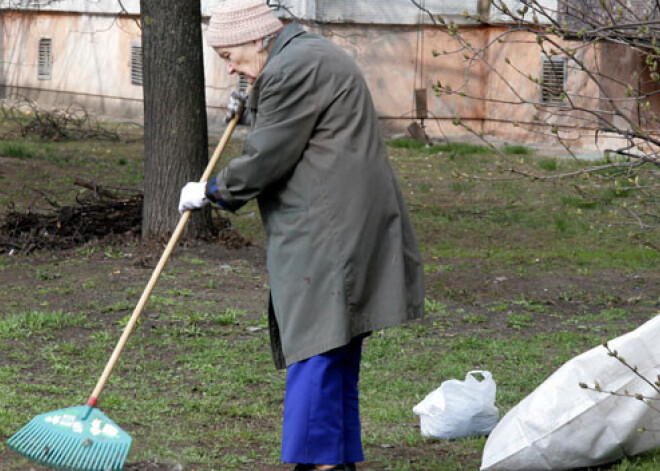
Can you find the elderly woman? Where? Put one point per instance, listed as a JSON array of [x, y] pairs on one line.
[[342, 256]]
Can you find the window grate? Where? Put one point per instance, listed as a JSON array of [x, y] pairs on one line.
[[136, 64], [44, 70], [553, 80], [242, 83]]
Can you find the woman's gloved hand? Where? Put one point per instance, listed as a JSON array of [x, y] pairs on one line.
[[235, 105], [193, 196]]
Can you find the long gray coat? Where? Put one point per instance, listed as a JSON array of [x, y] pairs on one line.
[[342, 256]]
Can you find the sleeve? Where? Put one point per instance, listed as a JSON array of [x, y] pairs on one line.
[[212, 192], [287, 111]]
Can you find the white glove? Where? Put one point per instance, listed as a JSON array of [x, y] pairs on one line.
[[193, 196], [235, 105]]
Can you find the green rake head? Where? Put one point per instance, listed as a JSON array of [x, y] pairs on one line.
[[79, 438]]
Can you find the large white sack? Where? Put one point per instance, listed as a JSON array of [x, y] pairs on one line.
[[562, 426]]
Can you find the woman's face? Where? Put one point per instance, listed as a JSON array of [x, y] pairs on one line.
[[245, 59]]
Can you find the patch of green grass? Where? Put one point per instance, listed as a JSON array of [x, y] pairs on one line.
[[462, 149], [31, 323], [456, 148], [48, 273], [474, 318], [547, 164], [405, 143], [180, 292], [614, 314], [517, 150], [228, 317], [440, 268], [47, 151], [193, 261], [498, 307], [160, 302], [102, 336], [631, 257], [431, 305], [54, 290], [113, 252], [20, 150], [118, 306], [562, 223], [518, 321], [529, 304], [211, 284]]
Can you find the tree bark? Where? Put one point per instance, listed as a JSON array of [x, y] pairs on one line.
[[175, 131]]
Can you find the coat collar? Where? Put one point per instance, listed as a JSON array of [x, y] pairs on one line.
[[291, 31]]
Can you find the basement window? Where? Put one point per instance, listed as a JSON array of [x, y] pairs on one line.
[[553, 80], [136, 64], [44, 70]]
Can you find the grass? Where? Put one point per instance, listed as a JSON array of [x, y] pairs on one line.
[[517, 150], [20, 150], [31, 323], [33, 150], [548, 164], [454, 148], [521, 276]]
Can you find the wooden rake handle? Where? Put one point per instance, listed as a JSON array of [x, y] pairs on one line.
[[176, 235]]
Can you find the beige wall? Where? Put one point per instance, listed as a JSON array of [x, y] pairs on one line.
[[91, 61]]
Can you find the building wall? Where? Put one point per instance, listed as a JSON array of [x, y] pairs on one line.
[[91, 68], [91, 61]]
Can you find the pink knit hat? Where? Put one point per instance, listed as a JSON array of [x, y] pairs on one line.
[[237, 22]]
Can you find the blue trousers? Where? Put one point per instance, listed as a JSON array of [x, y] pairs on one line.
[[321, 408]]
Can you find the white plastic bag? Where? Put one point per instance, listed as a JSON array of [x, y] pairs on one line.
[[459, 408], [561, 426]]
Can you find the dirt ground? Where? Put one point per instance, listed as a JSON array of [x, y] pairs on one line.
[[470, 292], [570, 295]]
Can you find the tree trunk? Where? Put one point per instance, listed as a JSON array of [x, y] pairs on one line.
[[175, 132]]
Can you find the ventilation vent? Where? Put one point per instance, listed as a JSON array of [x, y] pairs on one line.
[[45, 59], [553, 80], [136, 64], [242, 83]]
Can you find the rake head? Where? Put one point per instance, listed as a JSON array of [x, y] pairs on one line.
[[79, 438]]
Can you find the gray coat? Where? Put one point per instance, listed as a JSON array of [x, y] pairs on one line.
[[342, 256]]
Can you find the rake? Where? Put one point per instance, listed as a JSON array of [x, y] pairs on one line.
[[82, 438]]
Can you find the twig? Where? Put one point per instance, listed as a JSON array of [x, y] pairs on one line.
[[103, 191]]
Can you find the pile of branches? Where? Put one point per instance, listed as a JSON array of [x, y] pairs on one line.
[[55, 124], [99, 216]]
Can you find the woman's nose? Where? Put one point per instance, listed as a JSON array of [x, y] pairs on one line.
[[230, 68]]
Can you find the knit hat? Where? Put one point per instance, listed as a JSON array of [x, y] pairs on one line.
[[237, 22]]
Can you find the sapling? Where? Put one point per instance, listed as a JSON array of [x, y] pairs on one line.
[[650, 401]]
